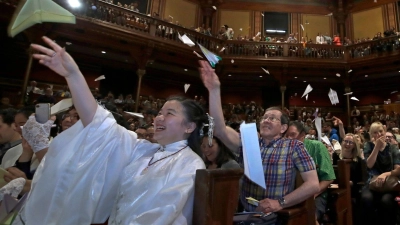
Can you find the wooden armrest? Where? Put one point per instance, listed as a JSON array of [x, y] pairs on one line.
[[338, 192], [289, 212]]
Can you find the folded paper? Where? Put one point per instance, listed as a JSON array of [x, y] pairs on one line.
[[186, 86], [212, 58], [354, 98], [197, 54], [31, 12], [186, 40], [266, 71], [333, 97], [102, 77], [349, 93], [308, 90], [134, 114], [61, 106]]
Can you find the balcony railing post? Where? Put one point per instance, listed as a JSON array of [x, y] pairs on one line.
[[152, 28]]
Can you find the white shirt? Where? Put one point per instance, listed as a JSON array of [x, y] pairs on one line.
[[85, 167]]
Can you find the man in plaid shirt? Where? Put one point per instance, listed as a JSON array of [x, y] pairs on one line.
[[281, 157]]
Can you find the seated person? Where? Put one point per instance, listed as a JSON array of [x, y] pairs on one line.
[[281, 157], [47, 97], [217, 155], [10, 139], [322, 159]]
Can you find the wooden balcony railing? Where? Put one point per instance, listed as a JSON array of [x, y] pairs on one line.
[[119, 16]]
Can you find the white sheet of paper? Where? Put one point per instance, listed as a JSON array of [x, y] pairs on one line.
[[333, 97], [308, 90], [338, 74], [253, 168], [393, 92], [186, 86], [318, 127], [326, 140], [102, 77], [222, 49], [135, 114], [61, 106], [302, 27], [306, 97]]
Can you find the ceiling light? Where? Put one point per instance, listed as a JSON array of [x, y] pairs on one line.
[[324, 78], [103, 52], [295, 77], [185, 69], [366, 75], [68, 43]]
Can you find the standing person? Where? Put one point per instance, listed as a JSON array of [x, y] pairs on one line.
[[382, 161], [281, 157], [97, 167]]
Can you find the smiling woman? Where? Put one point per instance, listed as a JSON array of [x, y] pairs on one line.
[[217, 155]]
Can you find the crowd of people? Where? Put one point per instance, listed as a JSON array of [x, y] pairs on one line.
[[157, 158]]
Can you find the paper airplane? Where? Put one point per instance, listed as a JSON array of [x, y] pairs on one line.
[[61, 106], [354, 98], [198, 55], [186, 40], [302, 27], [258, 34], [212, 58], [262, 14], [350, 93], [31, 12], [338, 75], [102, 77], [326, 140], [214, 7], [350, 71], [186, 86], [308, 90], [393, 92], [266, 71], [134, 114], [333, 97], [306, 97], [222, 49]]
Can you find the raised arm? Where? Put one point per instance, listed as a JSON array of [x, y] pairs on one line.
[[58, 60], [227, 135], [380, 144], [339, 123]]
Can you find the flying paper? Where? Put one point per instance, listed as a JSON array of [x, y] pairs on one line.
[[338, 75], [302, 27], [240, 29], [214, 7], [349, 71], [354, 98], [262, 14], [212, 58], [333, 97], [308, 90], [393, 92], [134, 114], [102, 77], [171, 17], [31, 12], [266, 71], [186, 86], [232, 61], [350, 93], [198, 55], [222, 49], [186, 40], [306, 97], [61, 106]]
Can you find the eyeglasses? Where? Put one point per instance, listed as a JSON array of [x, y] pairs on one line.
[[270, 119], [348, 142], [389, 137]]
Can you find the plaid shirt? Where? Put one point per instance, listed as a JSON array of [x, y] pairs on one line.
[[280, 158]]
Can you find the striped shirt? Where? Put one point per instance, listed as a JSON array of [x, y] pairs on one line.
[[280, 158]]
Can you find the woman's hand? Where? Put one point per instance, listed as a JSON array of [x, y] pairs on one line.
[[380, 180], [13, 173], [208, 76], [380, 143], [56, 58], [337, 121]]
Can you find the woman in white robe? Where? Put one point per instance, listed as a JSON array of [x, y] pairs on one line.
[[98, 167]]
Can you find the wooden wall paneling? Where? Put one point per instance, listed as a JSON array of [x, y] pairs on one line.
[[294, 25], [349, 28], [369, 4], [273, 7], [390, 15]]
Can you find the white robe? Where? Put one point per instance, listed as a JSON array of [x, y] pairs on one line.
[[78, 180]]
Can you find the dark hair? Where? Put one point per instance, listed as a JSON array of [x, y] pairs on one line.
[[284, 116], [224, 154], [328, 124], [299, 126], [8, 115], [26, 111], [194, 113]]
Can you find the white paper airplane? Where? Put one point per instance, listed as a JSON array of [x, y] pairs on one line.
[[212, 58], [354, 98], [302, 27], [333, 97], [222, 49], [350, 93], [31, 12], [134, 114], [102, 77], [186, 40], [338, 75], [306, 97], [61, 106], [262, 14], [308, 90], [214, 7], [350, 71], [266, 71], [186, 86], [198, 55]]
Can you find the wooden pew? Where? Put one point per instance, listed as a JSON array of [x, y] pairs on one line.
[[342, 196], [301, 214], [216, 196]]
